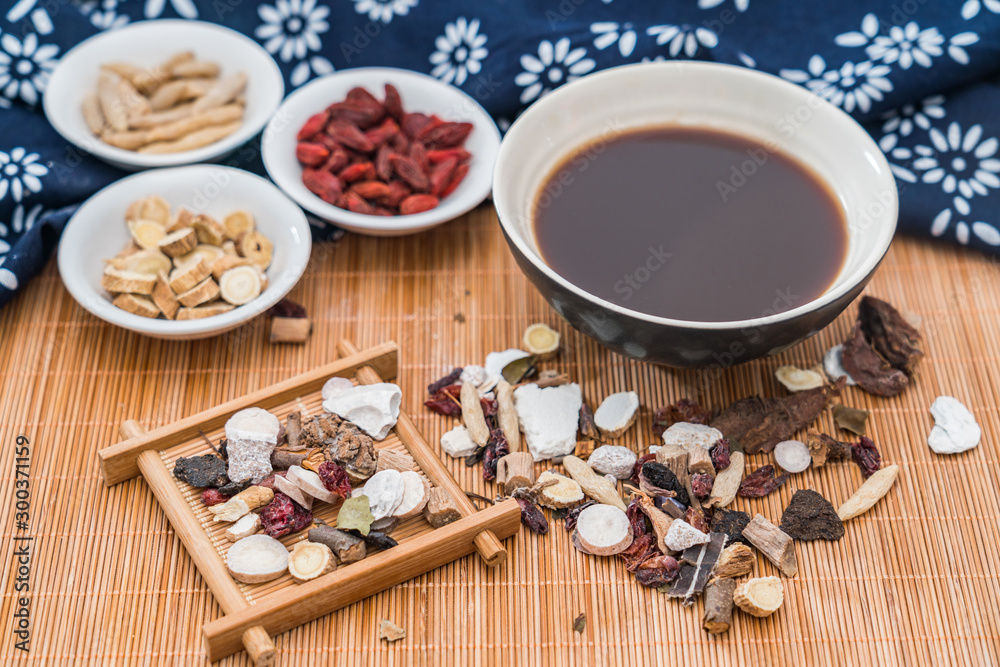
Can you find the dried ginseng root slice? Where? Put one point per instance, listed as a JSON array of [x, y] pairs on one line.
[[603, 530], [178, 243], [150, 262], [201, 312], [240, 285], [256, 247], [760, 597], [541, 340], [237, 223], [117, 281], [416, 491], [257, 559], [201, 293], [185, 277], [146, 233], [565, 492], [136, 304], [209, 253], [309, 560]]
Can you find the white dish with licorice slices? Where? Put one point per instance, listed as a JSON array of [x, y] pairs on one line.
[[112, 248], [163, 93]]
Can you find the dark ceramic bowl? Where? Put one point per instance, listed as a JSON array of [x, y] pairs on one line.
[[781, 115]]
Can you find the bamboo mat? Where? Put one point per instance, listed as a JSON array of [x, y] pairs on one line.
[[916, 581]]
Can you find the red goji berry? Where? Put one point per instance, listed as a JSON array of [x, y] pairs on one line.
[[440, 155], [338, 160], [441, 175], [418, 204], [445, 135], [383, 165], [418, 153], [398, 191], [372, 190], [393, 102], [349, 135], [323, 184], [410, 172], [362, 171], [456, 178], [311, 154], [414, 123], [380, 134], [355, 203], [313, 126]]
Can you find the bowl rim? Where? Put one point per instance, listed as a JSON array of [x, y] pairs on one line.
[[271, 76], [872, 259], [102, 308], [350, 219]]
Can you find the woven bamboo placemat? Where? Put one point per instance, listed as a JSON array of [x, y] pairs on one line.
[[916, 581]]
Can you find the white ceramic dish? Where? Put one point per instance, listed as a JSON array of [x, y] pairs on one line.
[[98, 231], [774, 112], [419, 93], [148, 43]]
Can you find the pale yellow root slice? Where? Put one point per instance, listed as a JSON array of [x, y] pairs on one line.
[[229, 247], [309, 560], [603, 530], [184, 219], [149, 262], [238, 222], [194, 140], [153, 208], [164, 297], [119, 281], [174, 114], [542, 340], [201, 312], [92, 114], [226, 262], [208, 229], [112, 106], [130, 249], [146, 233], [185, 277], [210, 253], [240, 285], [137, 304], [256, 559], [760, 597], [565, 492], [201, 293], [256, 247], [176, 130], [178, 243], [195, 68], [869, 493], [223, 92]]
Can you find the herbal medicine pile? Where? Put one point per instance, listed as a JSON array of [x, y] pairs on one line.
[[667, 514]]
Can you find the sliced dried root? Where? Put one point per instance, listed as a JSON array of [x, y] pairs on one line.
[[309, 560], [416, 491], [137, 305], [92, 114], [178, 243], [208, 229], [256, 247], [150, 262], [310, 483], [796, 379], [226, 262], [240, 285], [760, 597], [185, 277], [385, 492], [597, 486], [238, 222], [245, 526], [242, 503], [118, 281], [201, 293], [164, 297], [735, 560], [869, 493], [196, 139], [472, 414], [565, 492], [210, 253], [256, 559], [201, 312], [147, 233], [603, 530], [541, 340], [792, 455], [616, 413]]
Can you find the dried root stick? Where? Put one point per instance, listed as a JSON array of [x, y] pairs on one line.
[[596, 486], [472, 414], [194, 140], [874, 488], [92, 113], [223, 92], [727, 482], [177, 129], [507, 415]]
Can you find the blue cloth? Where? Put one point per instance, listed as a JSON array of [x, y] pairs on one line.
[[922, 76]]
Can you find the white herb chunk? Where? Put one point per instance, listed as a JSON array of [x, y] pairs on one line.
[[955, 428], [549, 418]]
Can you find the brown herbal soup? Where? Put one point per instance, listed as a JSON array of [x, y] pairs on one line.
[[691, 224]]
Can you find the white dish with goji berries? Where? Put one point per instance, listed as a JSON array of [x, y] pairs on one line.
[[382, 151]]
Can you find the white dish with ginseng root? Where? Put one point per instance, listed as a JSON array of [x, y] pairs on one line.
[[163, 93], [113, 287]]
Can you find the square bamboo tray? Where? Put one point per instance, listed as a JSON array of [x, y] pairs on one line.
[[255, 612]]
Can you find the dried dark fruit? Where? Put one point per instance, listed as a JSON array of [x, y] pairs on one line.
[[445, 402], [731, 523], [496, 449], [684, 410], [393, 103], [659, 480], [490, 407], [761, 423], [701, 485], [642, 549], [696, 518], [720, 454], [641, 461], [573, 514], [866, 455], [448, 380], [657, 571], [211, 497], [288, 308], [232, 488], [810, 516], [202, 471], [383, 133], [418, 203], [334, 479], [893, 338], [637, 518], [532, 517], [868, 369], [850, 419], [283, 516], [761, 482]]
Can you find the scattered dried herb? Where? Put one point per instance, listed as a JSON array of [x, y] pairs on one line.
[[866, 455], [720, 454], [283, 516], [446, 381], [551, 378], [893, 338], [445, 402], [701, 485], [730, 522], [375, 538], [810, 516], [355, 514], [850, 419], [684, 410], [637, 518], [490, 407], [868, 369], [532, 517], [825, 449], [573, 514], [288, 308], [210, 497], [641, 549], [587, 427], [696, 518], [641, 461], [657, 571], [761, 423], [495, 449], [761, 482], [580, 624], [334, 478], [698, 562], [202, 471], [232, 488], [658, 480], [520, 369]]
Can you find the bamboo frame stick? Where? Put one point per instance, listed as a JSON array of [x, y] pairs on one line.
[[119, 462], [255, 639], [489, 547], [291, 607]]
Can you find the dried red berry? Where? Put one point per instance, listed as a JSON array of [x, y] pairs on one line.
[[349, 135], [393, 102], [283, 516], [383, 166], [338, 160], [383, 133], [313, 126], [354, 202], [418, 204], [866, 456], [361, 97], [362, 115], [445, 135], [496, 449], [701, 485], [657, 571], [335, 479], [362, 171], [446, 402], [457, 177], [441, 175], [371, 190], [414, 123], [410, 172], [213, 497], [460, 155], [636, 518], [532, 517], [419, 156], [761, 482], [642, 549], [398, 191], [311, 155], [696, 518], [323, 184], [448, 380], [720, 454]]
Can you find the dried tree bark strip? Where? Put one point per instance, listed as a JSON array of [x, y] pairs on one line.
[[727, 482], [718, 605], [777, 546]]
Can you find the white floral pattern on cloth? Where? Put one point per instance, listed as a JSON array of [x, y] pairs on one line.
[[683, 38], [909, 116], [554, 65], [384, 10], [20, 173], [22, 221], [970, 9], [25, 67], [609, 33], [851, 86], [740, 5], [291, 31], [185, 8], [103, 14], [906, 45], [460, 51]]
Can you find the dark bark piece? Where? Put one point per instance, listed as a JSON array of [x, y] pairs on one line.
[[892, 337], [774, 543], [587, 427], [319, 430], [761, 482], [731, 523], [284, 458], [761, 423], [658, 480], [346, 547], [696, 567], [202, 471], [293, 432], [741, 416], [868, 369], [353, 450], [809, 516], [232, 488], [718, 605], [825, 449]]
